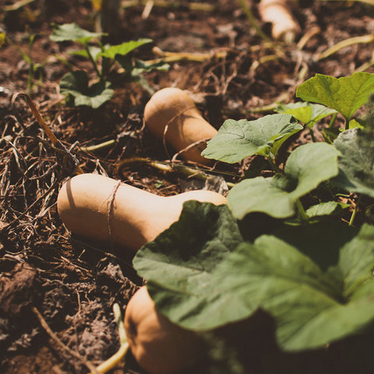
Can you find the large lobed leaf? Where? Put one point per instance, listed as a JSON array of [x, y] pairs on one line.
[[305, 169], [345, 94], [76, 84], [204, 282], [236, 140], [311, 308], [183, 258]]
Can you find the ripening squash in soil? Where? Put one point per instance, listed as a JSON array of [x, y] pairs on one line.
[[104, 209], [159, 346], [171, 115]]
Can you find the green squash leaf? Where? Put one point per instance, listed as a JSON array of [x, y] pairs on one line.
[[203, 284], [325, 209], [72, 32], [345, 94], [236, 140], [124, 48], [76, 84], [311, 308], [305, 169], [320, 241], [183, 257], [305, 112], [356, 162], [310, 165], [260, 195]]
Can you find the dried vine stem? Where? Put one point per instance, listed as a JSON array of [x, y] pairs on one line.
[[169, 4], [197, 171]]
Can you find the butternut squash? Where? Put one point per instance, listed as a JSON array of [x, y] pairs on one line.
[[158, 345], [279, 14], [171, 115], [105, 209]]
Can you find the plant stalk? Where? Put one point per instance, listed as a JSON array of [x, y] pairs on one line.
[[332, 121], [273, 165], [97, 147], [172, 168], [93, 62], [312, 135], [252, 20], [114, 360], [354, 213], [304, 217]]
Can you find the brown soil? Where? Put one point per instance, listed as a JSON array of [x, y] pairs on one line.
[[57, 291]]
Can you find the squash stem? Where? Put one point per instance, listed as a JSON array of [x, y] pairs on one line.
[[332, 121], [174, 167], [114, 360], [97, 147], [312, 135], [273, 165], [93, 62], [346, 123], [354, 213], [304, 217]]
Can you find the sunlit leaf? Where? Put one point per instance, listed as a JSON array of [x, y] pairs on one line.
[[236, 140], [345, 94]]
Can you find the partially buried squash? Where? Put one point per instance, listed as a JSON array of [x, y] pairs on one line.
[[158, 345], [104, 209], [171, 115]]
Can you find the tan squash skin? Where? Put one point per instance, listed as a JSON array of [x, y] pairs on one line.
[[136, 218], [175, 109], [158, 346]]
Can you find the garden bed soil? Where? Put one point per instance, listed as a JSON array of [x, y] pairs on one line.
[[57, 291]]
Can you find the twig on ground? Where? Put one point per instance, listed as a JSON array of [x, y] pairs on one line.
[[365, 39], [169, 4], [180, 56], [57, 340]]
